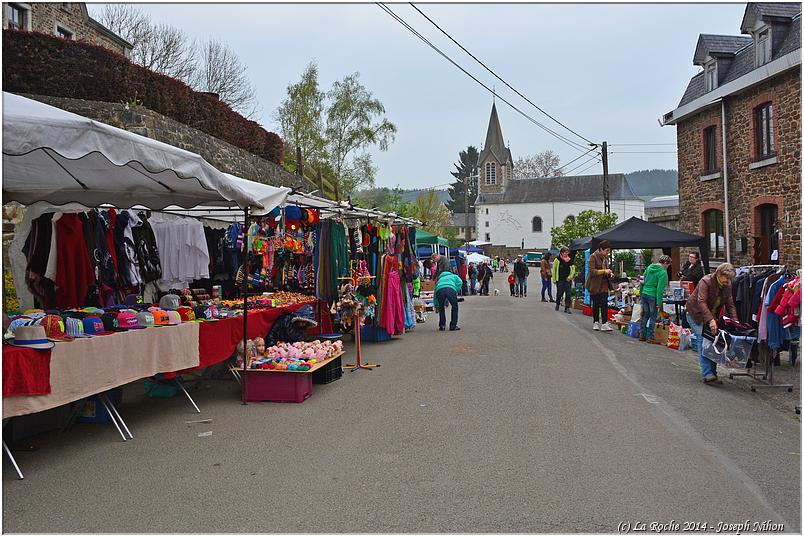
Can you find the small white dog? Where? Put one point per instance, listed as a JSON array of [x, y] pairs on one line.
[[496, 292]]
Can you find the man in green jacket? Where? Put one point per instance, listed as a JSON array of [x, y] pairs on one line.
[[651, 294], [563, 273], [446, 290]]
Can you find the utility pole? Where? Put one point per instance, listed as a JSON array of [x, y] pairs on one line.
[[606, 201], [299, 165], [466, 183]]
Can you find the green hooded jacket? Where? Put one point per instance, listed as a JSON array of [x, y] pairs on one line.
[[655, 282]]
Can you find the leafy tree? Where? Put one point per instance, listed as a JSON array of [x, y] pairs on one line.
[[543, 164], [433, 214], [466, 171], [300, 118], [586, 223], [628, 259], [354, 121], [647, 256]]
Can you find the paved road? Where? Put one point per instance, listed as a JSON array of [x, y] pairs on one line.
[[524, 421]]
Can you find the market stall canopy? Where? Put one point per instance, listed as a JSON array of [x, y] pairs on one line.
[[478, 243], [53, 155], [636, 233], [477, 258], [471, 249], [424, 237]]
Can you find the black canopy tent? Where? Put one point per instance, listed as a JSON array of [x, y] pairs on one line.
[[636, 233]]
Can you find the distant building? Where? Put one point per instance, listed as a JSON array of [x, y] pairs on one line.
[[663, 210], [749, 87], [69, 20], [519, 213], [463, 223]]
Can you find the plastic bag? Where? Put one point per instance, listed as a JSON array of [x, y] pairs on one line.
[[684, 339], [716, 349], [739, 350], [636, 312]]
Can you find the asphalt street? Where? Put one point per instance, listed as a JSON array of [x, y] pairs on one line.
[[523, 421]]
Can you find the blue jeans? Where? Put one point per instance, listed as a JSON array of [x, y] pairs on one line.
[[708, 367], [472, 283], [521, 286], [547, 285], [447, 295], [650, 312]]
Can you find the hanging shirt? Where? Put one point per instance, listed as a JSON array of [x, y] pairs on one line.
[[74, 273], [50, 271]]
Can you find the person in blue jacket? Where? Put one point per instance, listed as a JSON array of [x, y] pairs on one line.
[[446, 291]]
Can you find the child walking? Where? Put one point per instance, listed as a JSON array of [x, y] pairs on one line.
[[512, 282]]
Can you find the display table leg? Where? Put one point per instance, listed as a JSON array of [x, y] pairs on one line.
[[359, 358], [117, 415], [181, 387], [13, 462], [112, 417]]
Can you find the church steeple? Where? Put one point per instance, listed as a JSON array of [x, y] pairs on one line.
[[496, 164]]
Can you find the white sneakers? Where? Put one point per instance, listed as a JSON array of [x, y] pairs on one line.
[[603, 328], [596, 326]]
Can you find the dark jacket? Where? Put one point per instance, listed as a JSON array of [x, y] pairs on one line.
[[442, 265], [521, 269], [705, 295], [596, 280], [692, 273]]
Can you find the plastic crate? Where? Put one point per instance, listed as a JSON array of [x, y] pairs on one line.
[[374, 334], [94, 411], [329, 373], [278, 387]]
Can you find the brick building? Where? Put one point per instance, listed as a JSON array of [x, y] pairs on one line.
[[69, 20], [750, 88]]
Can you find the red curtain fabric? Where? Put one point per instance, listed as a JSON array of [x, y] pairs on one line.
[[25, 371]]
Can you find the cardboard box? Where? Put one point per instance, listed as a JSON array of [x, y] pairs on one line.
[[577, 304], [427, 285]]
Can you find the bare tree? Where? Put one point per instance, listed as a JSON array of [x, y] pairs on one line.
[[160, 48], [543, 164], [221, 71]]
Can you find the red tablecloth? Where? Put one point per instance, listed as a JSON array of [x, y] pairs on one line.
[[25, 371], [218, 340]]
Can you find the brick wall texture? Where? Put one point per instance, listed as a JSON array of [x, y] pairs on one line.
[[778, 183]]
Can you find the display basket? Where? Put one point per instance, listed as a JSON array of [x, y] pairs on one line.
[[329, 373]]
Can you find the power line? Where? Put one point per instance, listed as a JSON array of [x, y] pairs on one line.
[[569, 142], [573, 160], [593, 165], [643, 144], [584, 163], [641, 152], [497, 76]]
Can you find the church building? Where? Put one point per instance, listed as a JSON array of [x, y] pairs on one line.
[[519, 213]]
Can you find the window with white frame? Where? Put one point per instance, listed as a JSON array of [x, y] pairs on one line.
[[64, 32], [491, 173], [710, 76], [18, 17], [763, 46], [763, 131]]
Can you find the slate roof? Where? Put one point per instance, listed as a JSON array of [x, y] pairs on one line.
[[561, 189], [768, 10], [494, 140], [711, 45], [744, 58]]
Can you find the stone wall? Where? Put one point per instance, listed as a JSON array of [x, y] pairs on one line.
[[72, 16], [222, 155], [777, 183]]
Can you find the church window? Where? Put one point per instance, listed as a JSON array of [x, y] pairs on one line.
[[487, 223], [491, 173], [537, 224]]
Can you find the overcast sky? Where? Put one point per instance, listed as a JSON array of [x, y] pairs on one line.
[[608, 71]]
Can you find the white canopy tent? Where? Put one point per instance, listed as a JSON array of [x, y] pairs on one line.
[[56, 156], [474, 257]]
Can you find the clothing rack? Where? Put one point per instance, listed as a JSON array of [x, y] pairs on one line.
[[765, 379]]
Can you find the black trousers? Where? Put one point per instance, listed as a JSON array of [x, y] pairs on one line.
[[564, 287], [600, 308], [447, 296]]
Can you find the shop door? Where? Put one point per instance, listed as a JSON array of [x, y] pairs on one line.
[[769, 234]]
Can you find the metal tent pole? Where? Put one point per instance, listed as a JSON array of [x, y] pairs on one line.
[[245, 305]]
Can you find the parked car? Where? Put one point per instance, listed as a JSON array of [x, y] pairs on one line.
[[533, 258]]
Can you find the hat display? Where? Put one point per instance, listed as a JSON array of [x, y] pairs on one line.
[[133, 300], [187, 314], [169, 302], [160, 317], [94, 327], [74, 327], [54, 328], [173, 318], [32, 337], [110, 322], [146, 319], [127, 320]]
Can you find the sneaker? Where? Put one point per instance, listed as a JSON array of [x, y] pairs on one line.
[[709, 379], [567, 310], [596, 326], [441, 328], [543, 300], [642, 338], [551, 300], [606, 328], [454, 329]]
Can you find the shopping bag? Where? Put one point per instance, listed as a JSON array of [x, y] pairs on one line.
[[636, 312], [633, 329], [716, 349], [739, 350], [684, 339]]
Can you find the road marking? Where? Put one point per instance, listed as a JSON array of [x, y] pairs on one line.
[[652, 399]]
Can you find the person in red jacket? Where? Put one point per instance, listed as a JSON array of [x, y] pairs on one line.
[[512, 282]]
